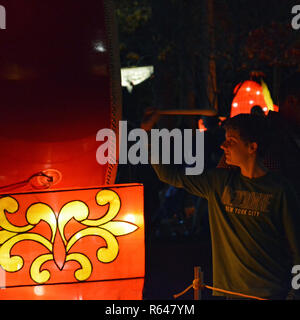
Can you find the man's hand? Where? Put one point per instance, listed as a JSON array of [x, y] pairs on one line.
[[151, 116]]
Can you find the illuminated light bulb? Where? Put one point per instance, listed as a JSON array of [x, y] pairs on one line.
[[248, 89], [132, 76], [99, 46], [258, 92], [265, 108], [38, 290], [235, 104], [251, 101]]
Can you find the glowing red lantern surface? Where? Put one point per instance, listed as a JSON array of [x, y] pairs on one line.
[[60, 84], [62, 236], [92, 248], [248, 94]]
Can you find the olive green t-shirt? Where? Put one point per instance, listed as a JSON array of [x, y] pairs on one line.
[[255, 228]]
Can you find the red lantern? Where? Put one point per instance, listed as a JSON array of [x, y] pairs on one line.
[[247, 95], [60, 84], [66, 232], [73, 244]]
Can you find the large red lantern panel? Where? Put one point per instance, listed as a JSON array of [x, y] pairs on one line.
[[83, 240]]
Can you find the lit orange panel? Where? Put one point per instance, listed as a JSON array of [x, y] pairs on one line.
[[247, 95], [73, 244]]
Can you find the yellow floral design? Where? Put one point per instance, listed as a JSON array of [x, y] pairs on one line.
[[104, 227]]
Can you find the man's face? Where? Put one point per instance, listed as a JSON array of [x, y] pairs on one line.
[[237, 152]]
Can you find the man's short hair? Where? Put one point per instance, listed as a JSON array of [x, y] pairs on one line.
[[252, 128]]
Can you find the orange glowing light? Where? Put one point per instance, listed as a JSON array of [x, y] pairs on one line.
[[89, 241], [201, 125], [249, 94]]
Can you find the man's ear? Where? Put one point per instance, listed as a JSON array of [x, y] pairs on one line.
[[253, 146]]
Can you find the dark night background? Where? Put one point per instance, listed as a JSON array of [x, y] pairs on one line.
[[200, 50]]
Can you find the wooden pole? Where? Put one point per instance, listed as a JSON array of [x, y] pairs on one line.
[[188, 112], [212, 78], [198, 274]]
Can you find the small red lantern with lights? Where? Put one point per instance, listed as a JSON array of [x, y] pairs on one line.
[[249, 94]]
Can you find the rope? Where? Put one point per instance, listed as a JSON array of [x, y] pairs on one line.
[[195, 287], [233, 293], [183, 292]]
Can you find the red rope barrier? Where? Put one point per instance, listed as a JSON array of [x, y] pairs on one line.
[[196, 285], [233, 293]]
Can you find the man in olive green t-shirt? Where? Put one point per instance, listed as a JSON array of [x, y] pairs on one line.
[[254, 214]]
